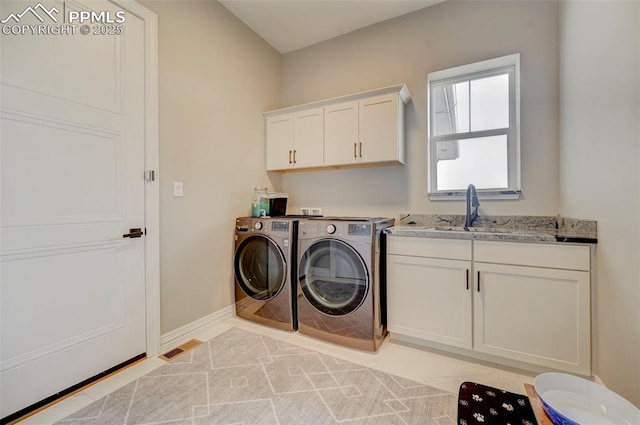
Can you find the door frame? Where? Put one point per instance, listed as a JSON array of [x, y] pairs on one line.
[[151, 162]]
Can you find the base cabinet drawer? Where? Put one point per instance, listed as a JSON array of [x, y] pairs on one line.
[[572, 257], [451, 249]]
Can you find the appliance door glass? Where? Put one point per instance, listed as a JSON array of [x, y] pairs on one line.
[[333, 277], [260, 267]]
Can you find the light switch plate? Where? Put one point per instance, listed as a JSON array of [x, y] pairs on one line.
[[178, 189]]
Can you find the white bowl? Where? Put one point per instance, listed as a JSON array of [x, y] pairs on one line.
[[570, 400]]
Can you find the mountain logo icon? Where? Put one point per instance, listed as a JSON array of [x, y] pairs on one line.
[[34, 11]]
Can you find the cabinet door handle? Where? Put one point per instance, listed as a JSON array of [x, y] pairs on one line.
[[360, 149], [355, 145], [294, 156], [478, 280], [289, 157], [467, 279]]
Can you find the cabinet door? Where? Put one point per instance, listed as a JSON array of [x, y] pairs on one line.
[[381, 123], [341, 133], [279, 142], [535, 315], [429, 299], [308, 138]]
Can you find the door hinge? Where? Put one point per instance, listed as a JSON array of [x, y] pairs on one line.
[[149, 175]]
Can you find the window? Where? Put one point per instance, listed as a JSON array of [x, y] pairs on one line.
[[474, 135]]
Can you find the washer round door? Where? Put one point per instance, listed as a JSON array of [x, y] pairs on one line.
[[333, 277], [260, 267]]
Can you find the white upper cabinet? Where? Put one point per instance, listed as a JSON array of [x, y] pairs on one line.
[[381, 121], [363, 128], [280, 142], [365, 131], [341, 133], [295, 140], [308, 140]]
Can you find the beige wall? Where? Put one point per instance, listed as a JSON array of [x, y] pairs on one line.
[[216, 78], [405, 49], [599, 163]]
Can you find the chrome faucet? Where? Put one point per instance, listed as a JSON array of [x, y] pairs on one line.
[[472, 201]]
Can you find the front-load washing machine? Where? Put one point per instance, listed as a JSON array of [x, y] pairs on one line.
[[264, 268], [342, 280]]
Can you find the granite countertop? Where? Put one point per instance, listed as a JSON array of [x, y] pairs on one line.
[[549, 229]]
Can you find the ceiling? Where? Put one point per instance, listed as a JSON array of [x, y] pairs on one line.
[[288, 25]]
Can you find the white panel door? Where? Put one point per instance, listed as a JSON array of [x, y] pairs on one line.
[[379, 129], [308, 138], [535, 315], [279, 142], [341, 133], [72, 288], [430, 299]]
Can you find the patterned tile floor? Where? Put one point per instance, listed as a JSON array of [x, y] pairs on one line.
[[436, 370]]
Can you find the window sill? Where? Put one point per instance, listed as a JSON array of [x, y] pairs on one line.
[[460, 195]]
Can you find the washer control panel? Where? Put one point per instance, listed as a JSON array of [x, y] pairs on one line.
[[265, 226], [279, 226], [359, 229]]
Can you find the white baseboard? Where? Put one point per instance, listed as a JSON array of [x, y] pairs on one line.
[[184, 333], [597, 380]]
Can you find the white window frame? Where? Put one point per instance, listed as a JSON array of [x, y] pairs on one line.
[[510, 64]]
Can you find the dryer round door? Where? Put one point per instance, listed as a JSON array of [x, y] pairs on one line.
[[333, 277], [260, 267]]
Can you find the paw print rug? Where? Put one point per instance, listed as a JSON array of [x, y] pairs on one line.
[[480, 404]]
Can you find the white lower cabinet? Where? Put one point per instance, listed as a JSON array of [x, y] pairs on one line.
[[430, 298], [534, 315], [520, 307]]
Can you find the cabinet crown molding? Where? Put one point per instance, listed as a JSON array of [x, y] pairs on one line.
[[401, 89]]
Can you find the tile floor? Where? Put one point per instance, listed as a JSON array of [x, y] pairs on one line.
[[427, 367]]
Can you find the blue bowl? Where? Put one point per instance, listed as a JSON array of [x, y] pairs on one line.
[[556, 417], [571, 400]]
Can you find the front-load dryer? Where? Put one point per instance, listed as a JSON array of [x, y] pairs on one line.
[[341, 280], [264, 267]]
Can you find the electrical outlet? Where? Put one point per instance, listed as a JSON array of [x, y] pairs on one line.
[[311, 211]]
